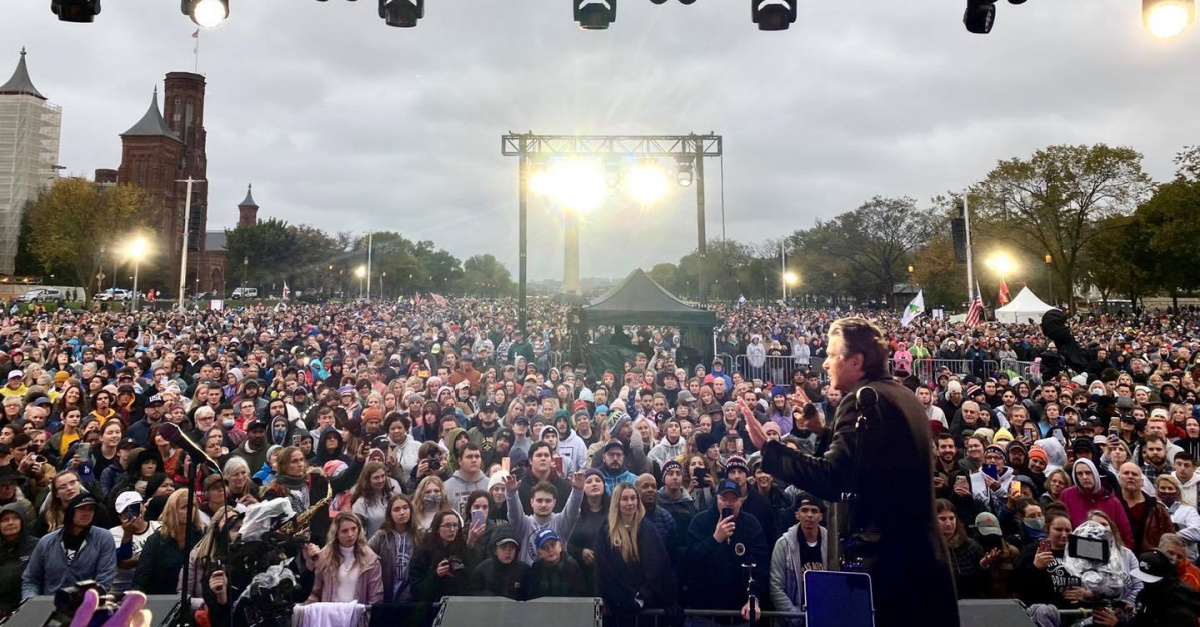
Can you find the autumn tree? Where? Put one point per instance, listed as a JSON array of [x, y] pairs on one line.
[[74, 219], [1053, 201]]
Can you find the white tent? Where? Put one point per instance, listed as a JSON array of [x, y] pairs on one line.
[[1022, 308]]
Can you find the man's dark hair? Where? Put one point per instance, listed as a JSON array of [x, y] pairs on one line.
[[540, 444], [1154, 437], [1185, 456], [946, 435], [471, 446], [224, 406], [860, 337], [1022, 504], [545, 487]]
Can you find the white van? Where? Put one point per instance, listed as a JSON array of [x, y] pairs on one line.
[[244, 292]]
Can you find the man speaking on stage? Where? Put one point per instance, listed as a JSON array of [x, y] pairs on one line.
[[886, 473]]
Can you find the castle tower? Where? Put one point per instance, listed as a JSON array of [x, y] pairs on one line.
[[248, 209], [29, 138]]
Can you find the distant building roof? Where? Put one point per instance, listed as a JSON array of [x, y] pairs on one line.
[[214, 241], [152, 123], [20, 82], [249, 201]]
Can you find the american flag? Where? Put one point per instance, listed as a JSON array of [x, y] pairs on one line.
[[975, 313]]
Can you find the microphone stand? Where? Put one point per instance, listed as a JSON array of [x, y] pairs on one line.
[[185, 593]]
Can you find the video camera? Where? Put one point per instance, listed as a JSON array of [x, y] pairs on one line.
[[68, 600]]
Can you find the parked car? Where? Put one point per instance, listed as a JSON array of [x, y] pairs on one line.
[[244, 292], [114, 293], [41, 295]]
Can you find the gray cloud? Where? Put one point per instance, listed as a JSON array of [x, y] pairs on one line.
[[346, 124]]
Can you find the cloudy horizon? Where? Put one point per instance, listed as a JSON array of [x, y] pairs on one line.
[[345, 124]]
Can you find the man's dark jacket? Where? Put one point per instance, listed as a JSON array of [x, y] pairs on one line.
[[895, 500]]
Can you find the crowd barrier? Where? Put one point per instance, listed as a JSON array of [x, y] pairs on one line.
[[776, 369]]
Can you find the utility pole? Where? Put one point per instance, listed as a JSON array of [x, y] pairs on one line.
[[970, 271], [187, 222], [370, 241]]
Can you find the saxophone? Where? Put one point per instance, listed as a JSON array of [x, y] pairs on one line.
[[298, 524]]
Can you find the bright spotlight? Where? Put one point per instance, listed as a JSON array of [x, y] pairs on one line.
[[578, 184], [1001, 263], [683, 174], [791, 278], [647, 183], [1167, 18], [206, 13], [360, 271]]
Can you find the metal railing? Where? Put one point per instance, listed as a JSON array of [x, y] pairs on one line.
[[655, 618], [930, 369], [776, 369]]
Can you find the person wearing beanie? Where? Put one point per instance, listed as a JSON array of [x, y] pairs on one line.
[[75, 552], [621, 430], [989, 485], [673, 496]]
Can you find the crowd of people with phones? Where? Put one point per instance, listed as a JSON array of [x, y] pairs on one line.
[[440, 451]]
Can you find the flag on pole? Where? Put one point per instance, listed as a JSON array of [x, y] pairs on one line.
[[196, 35], [741, 300], [1003, 297], [439, 299], [975, 313], [287, 293], [914, 309]]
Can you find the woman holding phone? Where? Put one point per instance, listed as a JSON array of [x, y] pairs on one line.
[[476, 512], [1039, 575]]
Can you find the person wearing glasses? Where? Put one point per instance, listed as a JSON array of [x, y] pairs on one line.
[[442, 564]]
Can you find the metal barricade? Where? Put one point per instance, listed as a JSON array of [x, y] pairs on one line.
[[776, 369], [929, 369], [657, 618]]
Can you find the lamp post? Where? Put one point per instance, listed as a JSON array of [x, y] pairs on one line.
[[245, 269], [790, 279], [1050, 277], [187, 219], [361, 273], [137, 248]]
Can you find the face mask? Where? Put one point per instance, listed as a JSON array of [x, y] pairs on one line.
[[1168, 498], [433, 500], [227, 423], [279, 434], [1037, 524]]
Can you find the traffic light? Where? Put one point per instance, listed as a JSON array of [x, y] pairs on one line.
[[401, 13], [980, 16], [595, 14], [81, 11], [773, 14]]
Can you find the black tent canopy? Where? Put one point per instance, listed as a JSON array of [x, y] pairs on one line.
[[639, 300]]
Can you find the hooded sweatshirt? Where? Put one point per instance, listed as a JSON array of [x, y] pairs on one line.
[[459, 487], [50, 569], [572, 449], [1079, 502], [14, 555], [664, 450]]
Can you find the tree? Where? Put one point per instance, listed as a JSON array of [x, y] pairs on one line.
[[484, 275], [1052, 201], [75, 218], [1172, 235], [666, 275], [937, 272], [875, 240], [1115, 260], [268, 249]]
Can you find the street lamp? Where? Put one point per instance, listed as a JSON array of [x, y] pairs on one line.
[[1049, 276], [361, 273], [245, 269], [137, 249]]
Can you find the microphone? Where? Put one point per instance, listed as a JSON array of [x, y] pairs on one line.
[[171, 433]]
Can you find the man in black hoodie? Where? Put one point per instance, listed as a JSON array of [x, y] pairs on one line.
[[15, 548], [501, 574]]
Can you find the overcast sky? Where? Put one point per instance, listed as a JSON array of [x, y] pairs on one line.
[[344, 123]]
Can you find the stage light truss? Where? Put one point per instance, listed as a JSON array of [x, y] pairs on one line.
[[661, 146]]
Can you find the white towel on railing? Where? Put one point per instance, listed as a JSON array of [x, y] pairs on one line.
[[328, 614]]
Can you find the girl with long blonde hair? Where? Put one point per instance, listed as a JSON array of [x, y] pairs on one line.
[[632, 567]]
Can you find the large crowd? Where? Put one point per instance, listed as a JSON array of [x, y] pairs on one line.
[[437, 450]]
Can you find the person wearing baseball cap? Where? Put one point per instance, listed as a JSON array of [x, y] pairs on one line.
[[15, 385], [501, 575], [719, 541], [800, 549], [130, 536], [94, 554], [554, 573], [1164, 599]]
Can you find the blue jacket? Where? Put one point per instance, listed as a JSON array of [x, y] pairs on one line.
[[48, 571], [612, 481]]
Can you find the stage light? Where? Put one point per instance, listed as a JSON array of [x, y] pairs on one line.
[[79, 11], [773, 14], [595, 14], [401, 13], [683, 173], [647, 183], [612, 174], [577, 184], [980, 16], [206, 13], [684, 1], [659, 1], [1167, 18]]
